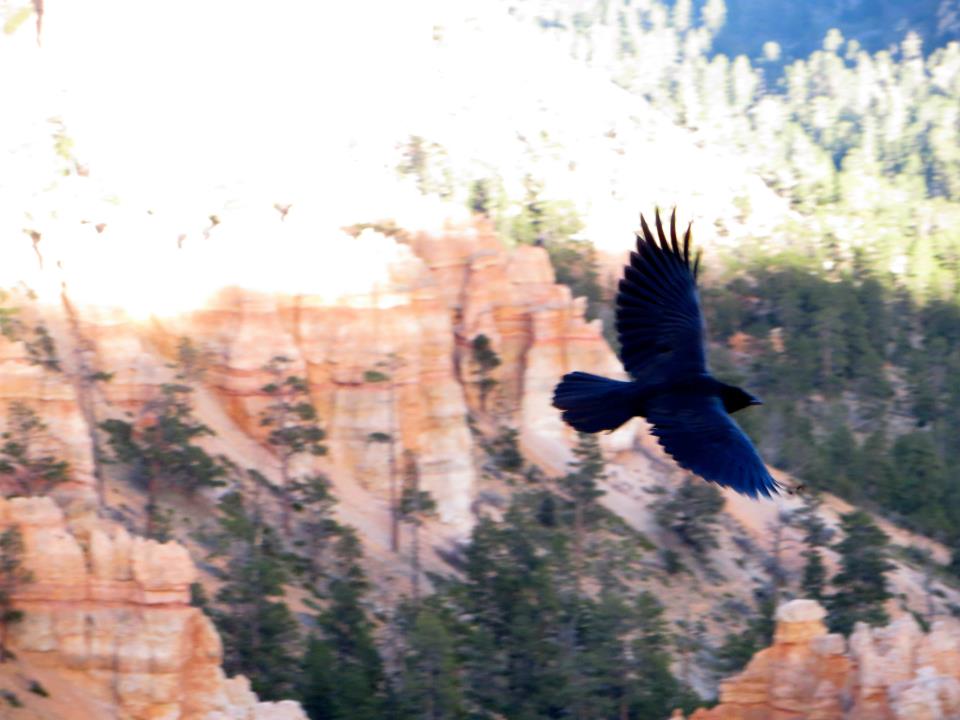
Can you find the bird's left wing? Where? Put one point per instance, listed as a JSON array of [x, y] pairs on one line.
[[699, 434], [659, 322]]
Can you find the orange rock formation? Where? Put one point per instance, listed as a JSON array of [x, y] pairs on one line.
[[390, 352], [891, 673], [108, 615]]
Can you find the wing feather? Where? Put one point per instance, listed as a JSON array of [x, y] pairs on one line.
[[659, 322], [701, 437]]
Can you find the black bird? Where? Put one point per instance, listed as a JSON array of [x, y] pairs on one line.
[[661, 333]]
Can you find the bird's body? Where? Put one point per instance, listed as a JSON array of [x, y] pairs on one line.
[[661, 334]]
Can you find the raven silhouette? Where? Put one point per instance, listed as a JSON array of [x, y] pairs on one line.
[[661, 333]]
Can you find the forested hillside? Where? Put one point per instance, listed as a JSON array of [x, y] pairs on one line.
[[799, 28], [850, 308]]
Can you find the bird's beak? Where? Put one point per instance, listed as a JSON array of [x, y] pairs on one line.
[[756, 401]]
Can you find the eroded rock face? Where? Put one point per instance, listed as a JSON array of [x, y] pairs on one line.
[[892, 673], [384, 336], [110, 613]]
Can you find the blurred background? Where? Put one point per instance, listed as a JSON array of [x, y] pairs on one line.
[[287, 287]]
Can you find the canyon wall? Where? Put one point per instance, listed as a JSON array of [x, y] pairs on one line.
[[383, 334], [107, 615]]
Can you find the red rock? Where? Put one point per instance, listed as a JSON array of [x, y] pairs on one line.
[[890, 673], [110, 614]]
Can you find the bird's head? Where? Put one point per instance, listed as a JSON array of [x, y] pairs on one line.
[[735, 398]]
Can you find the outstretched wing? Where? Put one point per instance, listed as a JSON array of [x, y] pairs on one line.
[[658, 311], [699, 434]]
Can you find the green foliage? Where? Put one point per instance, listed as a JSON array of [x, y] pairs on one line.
[[429, 164], [922, 480], [479, 199], [41, 349], [540, 220], [690, 513], [575, 265], [199, 597], [826, 425], [160, 452], [861, 584], [859, 295], [13, 575], [587, 471], [260, 634], [26, 465], [37, 689], [533, 643], [290, 415], [807, 518], [11, 698], [738, 648], [483, 353], [294, 430], [672, 564], [342, 673], [375, 376], [37, 342], [312, 497], [415, 504], [814, 575], [429, 684], [486, 360], [504, 450]]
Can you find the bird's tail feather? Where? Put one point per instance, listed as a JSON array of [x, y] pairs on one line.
[[591, 403]]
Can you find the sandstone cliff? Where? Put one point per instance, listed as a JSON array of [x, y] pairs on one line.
[[108, 630], [403, 313], [896, 672]]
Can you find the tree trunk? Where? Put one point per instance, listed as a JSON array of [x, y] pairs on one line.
[[153, 491], [392, 460], [285, 504], [415, 552], [577, 544]]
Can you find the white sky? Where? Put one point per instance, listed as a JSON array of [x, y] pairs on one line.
[[188, 109]]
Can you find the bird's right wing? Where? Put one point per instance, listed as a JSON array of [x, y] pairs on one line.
[[699, 434], [659, 323]]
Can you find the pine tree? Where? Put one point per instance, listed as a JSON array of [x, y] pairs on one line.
[[691, 512], [159, 449], [581, 486], [486, 361], [815, 535], [625, 658], [429, 683], [13, 576], [390, 439], [27, 466], [920, 479], [515, 596], [415, 506], [312, 496], [343, 676], [814, 575], [260, 635], [739, 647], [861, 584], [294, 429]]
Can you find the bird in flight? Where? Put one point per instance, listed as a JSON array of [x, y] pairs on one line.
[[662, 347]]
